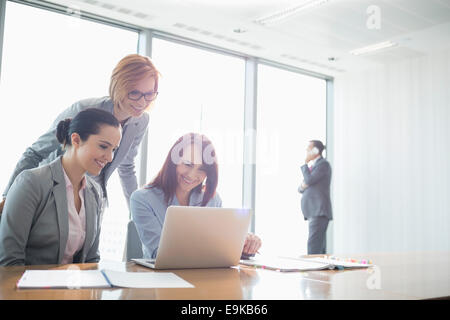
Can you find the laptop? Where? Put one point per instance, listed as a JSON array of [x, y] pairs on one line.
[[200, 237]]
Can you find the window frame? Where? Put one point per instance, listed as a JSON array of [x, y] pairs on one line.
[[146, 36]]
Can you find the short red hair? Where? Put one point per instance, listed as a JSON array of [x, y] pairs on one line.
[[129, 70]]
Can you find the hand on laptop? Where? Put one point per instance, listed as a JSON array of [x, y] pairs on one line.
[[251, 245]]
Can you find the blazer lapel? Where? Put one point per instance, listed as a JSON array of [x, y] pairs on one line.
[[91, 206], [317, 162], [60, 195]]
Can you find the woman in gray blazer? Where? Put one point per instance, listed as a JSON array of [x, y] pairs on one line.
[[132, 91], [188, 178], [52, 214]]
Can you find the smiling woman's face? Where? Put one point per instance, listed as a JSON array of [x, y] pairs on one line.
[[190, 172], [94, 153], [136, 108]]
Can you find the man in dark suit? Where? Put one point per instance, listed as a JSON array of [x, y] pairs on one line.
[[316, 202]]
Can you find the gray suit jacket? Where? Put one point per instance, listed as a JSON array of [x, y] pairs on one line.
[[34, 225], [316, 199], [47, 147]]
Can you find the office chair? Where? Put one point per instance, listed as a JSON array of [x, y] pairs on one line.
[[134, 245]]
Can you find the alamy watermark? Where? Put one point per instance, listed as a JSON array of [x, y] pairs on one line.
[[374, 20], [74, 12], [74, 280], [374, 280], [230, 145]]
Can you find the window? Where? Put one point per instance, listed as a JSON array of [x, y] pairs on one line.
[[291, 111], [45, 69], [202, 92]]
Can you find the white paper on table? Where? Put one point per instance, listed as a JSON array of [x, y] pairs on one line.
[[71, 279], [77, 279], [146, 279], [332, 262], [284, 264], [341, 263]]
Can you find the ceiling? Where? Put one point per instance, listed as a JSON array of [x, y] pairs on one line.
[[318, 39]]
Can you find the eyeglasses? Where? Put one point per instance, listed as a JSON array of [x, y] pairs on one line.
[[136, 95]]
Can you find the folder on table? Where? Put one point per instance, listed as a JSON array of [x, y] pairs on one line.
[[301, 264], [77, 279]]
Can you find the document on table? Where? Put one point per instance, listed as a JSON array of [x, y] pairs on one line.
[[77, 279], [146, 279], [302, 264], [284, 264], [344, 264]]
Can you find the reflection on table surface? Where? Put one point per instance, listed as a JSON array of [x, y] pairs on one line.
[[394, 276]]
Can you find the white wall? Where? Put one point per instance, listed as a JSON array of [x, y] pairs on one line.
[[391, 176]]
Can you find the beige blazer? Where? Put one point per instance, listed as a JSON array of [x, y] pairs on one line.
[[34, 226]]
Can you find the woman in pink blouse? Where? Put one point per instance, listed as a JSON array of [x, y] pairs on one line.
[[53, 213]]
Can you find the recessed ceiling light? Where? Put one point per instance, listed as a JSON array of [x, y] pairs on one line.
[[373, 47], [285, 13]]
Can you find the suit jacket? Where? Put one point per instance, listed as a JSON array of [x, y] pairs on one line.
[[316, 199], [34, 225], [47, 148]]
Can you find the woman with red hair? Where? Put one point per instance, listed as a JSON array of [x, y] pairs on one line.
[[188, 177], [133, 89]]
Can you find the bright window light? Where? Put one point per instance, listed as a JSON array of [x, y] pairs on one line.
[[291, 112], [45, 69], [202, 92]]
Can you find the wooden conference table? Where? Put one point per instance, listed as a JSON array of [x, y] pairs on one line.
[[423, 275]]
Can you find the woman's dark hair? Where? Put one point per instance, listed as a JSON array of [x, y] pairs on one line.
[[85, 123], [166, 179], [319, 145]]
